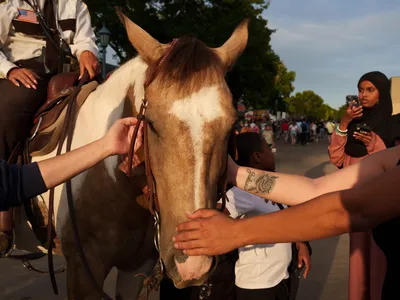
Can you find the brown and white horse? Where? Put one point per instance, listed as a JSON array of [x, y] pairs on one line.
[[190, 115]]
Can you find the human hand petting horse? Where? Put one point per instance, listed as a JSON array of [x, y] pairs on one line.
[[117, 141], [57, 170], [337, 203]]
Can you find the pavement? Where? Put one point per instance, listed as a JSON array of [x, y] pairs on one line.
[[327, 279]]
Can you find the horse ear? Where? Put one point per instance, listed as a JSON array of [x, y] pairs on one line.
[[148, 47], [233, 48]]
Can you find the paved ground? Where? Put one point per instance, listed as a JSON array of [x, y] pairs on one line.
[[327, 281], [329, 274]]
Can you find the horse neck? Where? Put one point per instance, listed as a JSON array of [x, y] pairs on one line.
[[108, 100]]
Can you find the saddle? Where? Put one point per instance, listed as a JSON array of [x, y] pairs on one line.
[[49, 119], [46, 134]]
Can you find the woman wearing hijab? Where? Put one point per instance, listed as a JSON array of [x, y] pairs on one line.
[[349, 145]]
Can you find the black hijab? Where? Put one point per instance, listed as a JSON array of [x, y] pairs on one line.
[[379, 117]]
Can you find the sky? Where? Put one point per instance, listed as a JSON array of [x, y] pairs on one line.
[[330, 44]]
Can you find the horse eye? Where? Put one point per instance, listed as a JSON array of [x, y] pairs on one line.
[[152, 127]]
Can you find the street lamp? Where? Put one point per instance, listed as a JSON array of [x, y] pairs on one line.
[[104, 34]]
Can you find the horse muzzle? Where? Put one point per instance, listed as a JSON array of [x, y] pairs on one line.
[[188, 270]]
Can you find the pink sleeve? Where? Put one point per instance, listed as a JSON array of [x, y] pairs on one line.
[[336, 149], [376, 144]]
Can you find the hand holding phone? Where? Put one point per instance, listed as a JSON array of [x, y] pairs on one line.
[[363, 128], [363, 133], [352, 100], [300, 271], [353, 112]]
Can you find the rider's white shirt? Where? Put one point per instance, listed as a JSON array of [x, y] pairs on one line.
[[15, 46], [259, 266]]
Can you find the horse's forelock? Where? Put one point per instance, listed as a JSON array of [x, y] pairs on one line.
[[189, 66]]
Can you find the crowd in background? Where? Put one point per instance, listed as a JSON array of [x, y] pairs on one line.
[[297, 131]]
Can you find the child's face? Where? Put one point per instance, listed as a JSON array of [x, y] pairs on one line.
[[267, 162]]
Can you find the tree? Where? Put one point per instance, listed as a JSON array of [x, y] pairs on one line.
[[309, 104], [341, 112], [283, 84], [306, 103], [212, 21]]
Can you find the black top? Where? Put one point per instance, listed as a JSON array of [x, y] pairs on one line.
[[385, 236], [379, 117], [17, 184]]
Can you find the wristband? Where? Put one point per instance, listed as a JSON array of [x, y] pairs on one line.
[[340, 132]]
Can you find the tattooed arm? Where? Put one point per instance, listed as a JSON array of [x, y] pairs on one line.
[[293, 189], [209, 232]]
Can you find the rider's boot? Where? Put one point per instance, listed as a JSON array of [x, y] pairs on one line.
[[6, 231]]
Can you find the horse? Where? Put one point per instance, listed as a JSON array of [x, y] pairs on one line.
[[189, 115]]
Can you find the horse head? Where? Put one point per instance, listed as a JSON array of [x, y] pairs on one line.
[[190, 117]]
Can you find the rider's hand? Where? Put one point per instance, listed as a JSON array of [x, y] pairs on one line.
[[118, 138], [25, 76], [88, 61], [209, 232]]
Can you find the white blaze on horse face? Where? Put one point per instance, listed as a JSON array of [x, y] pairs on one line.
[[196, 110]]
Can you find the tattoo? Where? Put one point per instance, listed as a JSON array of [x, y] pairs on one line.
[[249, 179], [260, 184]]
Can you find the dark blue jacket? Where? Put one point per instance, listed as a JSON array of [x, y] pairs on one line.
[[18, 184]]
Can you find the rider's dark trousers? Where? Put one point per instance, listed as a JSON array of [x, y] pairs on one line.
[[18, 105], [17, 108]]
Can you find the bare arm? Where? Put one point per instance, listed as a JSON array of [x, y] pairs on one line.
[[117, 140], [210, 232], [293, 189], [60, 168], [328, 215]]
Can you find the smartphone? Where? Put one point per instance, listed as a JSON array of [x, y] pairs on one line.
[[299, 272], [351, 98], [363, 128]]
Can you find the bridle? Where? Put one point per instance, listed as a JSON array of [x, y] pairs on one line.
[[151, 195], [152, 199]]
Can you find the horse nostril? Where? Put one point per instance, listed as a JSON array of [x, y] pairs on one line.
[[182, 258]]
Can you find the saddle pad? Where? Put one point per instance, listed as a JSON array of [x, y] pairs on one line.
[[47, 138]]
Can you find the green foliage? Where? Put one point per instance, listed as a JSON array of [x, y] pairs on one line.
[[308, 103], [254, 76], [341, 111]]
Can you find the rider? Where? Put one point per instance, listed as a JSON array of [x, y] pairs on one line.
[[29, 58]]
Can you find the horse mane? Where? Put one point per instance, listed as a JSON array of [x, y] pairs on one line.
[[189, 66]]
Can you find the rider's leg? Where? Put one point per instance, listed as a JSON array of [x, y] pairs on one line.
[[17, 107]]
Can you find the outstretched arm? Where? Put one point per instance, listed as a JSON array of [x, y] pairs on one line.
[[20, 183], [61, 168], [294, 189], [210, 232]]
